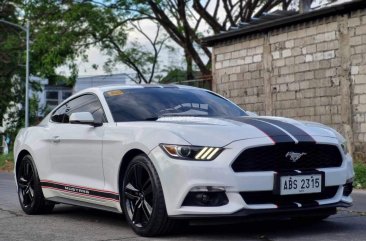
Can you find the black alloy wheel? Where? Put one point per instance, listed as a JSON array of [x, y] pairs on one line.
[[142, 199], [26, 184], [139, 195], [30, 192]]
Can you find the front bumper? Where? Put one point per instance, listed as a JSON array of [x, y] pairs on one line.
[[179, 177], [327, 209]]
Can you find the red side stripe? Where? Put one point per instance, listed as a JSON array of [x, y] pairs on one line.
[[80, 194], [93, 189]]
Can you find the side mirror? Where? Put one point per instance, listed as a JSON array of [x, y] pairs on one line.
[[85, 118]]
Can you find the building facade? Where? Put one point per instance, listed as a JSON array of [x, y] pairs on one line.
[[309, 66], [50, 96]]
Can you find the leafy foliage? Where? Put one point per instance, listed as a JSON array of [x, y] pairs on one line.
[[12, 46], [174, 76], [16, 115], [6, 161], [360, 171], [65, 30], [183, 20]]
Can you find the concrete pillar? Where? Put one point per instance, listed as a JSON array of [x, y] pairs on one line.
[[268, 73], [345, 79], [213, 71]]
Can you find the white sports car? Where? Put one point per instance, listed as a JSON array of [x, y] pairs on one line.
[[161, 154]]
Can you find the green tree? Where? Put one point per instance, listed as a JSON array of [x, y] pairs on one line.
[[65, 30], [16, 116], [73, 26], [12, 48], [142, 59], [186, 21], [61, 32], [175, 75]]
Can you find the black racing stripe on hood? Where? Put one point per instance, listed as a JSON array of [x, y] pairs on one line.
[[299, 134], [276, 134]]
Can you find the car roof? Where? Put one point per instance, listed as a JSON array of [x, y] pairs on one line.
[[105, 88]]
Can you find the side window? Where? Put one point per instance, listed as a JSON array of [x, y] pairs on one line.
[[59, 115], [85, 103]]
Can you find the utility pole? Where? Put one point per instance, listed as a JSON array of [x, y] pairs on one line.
[[27, 80]]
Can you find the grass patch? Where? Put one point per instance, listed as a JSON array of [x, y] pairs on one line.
[[360, 175], [6, 162]]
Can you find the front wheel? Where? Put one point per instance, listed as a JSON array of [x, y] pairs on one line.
[[142, 199], [30, 192]]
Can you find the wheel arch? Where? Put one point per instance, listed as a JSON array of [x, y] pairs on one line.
[[127, 158], [20, 156]]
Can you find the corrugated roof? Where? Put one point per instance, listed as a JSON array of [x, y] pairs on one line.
[[279, 19]]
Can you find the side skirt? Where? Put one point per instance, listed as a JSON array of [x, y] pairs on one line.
[[82, 204]]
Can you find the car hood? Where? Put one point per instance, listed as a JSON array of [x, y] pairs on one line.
[[222, 131]]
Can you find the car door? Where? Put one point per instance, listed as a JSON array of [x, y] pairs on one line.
[[76, 149]]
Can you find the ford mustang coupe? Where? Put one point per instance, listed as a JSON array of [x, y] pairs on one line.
[[160, 154]]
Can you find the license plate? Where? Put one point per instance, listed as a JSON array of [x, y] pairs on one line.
[[300, 184]]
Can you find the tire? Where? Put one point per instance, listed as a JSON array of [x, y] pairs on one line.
[[30, 193], [143, 201]]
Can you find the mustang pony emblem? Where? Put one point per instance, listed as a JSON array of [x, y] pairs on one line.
[[294, 156]]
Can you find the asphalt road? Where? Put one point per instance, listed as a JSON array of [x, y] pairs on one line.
[[75, 223]]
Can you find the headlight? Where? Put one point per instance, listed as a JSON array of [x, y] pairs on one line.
[[344, 146], [199, 153], [342, 141]]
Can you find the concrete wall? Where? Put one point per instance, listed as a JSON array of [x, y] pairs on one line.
[[312, 71]]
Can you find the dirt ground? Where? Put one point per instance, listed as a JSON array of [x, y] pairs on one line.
[[8, 167]]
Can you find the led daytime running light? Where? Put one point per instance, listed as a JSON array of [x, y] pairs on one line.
[[206, 153], [191, 152]]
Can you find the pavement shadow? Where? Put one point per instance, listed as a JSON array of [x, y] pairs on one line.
[[233, 230], [89, 214]]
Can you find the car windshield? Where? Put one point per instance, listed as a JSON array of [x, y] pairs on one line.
[[151, 103]]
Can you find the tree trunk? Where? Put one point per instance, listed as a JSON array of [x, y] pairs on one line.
[[190, 74]]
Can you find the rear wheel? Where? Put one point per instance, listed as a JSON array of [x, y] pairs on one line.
[[30, 193], [142, 199]]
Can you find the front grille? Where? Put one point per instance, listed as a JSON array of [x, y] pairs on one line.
[[273, 158], [266, 197]]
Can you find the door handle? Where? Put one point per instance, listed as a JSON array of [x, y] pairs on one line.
[[56, 139]]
